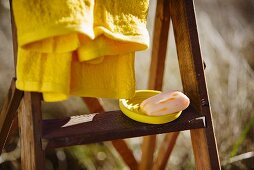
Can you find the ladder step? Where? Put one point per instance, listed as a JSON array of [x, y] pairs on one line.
[[92, 128]]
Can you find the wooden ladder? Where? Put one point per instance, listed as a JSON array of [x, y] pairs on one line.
[[38, 135]]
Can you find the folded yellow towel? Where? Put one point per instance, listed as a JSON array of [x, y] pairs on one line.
[[59, 75], [43, 72], [38, 20], [83, 48], [56, 44], [123, 20], [112, 78]]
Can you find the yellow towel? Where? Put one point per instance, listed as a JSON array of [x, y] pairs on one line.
[[83, 48], [59, 75], [44, 72], [115, 71], [123, 20]]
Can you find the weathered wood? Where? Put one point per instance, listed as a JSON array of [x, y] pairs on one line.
[[193, 80], [148, 149], [200, 149], [6, 104], [126, 153], [165, 150], [32, 154], [93, 104], [9, 112], [160, 40], [14, 129], [120, 145], [111, 125]]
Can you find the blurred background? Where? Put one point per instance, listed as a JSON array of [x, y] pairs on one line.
[[226, 33]]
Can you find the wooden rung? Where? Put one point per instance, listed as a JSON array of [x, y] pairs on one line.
[[111, 125]]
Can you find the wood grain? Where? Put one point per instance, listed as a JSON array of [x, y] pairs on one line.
[[108, 126], [160, 41], [32, 155], [14, 130], [200, 149], [159, 49], [93, 104], [165, 150], [126, 153], [8, 115], [148, 149], [9, 112], [193, 80], [120, 145]]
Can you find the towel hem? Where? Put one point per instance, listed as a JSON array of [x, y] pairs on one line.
[[30, 37]]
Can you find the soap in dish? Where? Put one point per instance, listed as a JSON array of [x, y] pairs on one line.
[[131, 108]]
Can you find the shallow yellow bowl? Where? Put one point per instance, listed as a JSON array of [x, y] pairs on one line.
[[130, 107]]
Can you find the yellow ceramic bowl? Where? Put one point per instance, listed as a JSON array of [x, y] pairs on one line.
[[130, 107]]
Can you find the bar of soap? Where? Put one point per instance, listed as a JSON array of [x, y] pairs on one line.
[[165, 103]]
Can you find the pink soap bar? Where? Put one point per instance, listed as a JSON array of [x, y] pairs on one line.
[[165, 103]]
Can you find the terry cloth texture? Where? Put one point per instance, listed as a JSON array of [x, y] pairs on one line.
[[79, 47]]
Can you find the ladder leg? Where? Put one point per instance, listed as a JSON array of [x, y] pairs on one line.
[[165, 150], [30, 122], [8, 113], [200, 149], [126, 153], [193, 80], [160, 42], [160, 39], [148, 148], [120, 145]]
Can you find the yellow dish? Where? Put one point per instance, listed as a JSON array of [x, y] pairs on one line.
[[130, 107]]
